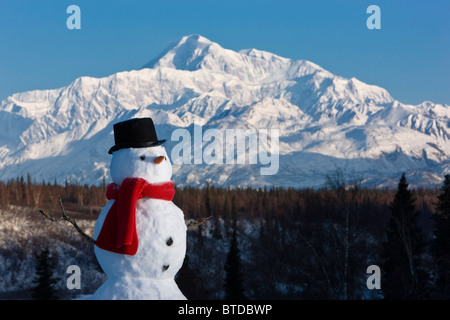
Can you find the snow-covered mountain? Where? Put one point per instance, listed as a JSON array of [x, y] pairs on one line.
[[325, 122]]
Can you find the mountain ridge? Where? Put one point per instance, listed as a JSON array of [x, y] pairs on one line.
[[66, 132]]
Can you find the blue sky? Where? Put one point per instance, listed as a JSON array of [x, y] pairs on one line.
[[409, 56]]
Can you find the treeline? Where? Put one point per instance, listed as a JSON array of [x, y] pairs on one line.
[[25, 191], [196, 203], [318, 244], [277, 243]]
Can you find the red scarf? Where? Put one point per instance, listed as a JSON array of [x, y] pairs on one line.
[[118, 233]]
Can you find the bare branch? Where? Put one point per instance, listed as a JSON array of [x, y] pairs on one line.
[[69, 219], [196, 223]]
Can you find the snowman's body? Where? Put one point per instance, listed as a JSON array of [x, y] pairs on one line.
[[161, 230]]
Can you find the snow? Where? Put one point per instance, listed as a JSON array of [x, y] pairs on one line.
[[149, 274], [66, 132], [138, 289], [128, 163], [25, 232]]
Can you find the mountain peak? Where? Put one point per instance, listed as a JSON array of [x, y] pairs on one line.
[[195, 39], [195, 52], [183, 54]]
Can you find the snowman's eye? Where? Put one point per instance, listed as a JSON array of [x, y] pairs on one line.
[[142, 157]]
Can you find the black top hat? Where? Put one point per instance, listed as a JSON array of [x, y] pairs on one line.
[[135, 133]]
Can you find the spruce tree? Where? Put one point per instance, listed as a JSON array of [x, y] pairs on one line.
[[44, 281], [234, 289], [226, 209], [403, 275], [189, 280], [440, 246], [208, 203]]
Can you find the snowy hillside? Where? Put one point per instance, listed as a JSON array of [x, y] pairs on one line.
[[325, 121], [24, 233]]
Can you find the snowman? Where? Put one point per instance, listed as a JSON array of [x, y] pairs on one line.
[[140, 233]]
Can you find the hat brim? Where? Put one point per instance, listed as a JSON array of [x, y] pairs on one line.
[[126, 145]]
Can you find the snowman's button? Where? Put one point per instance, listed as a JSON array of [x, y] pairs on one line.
[[165, 267], [169, 241]]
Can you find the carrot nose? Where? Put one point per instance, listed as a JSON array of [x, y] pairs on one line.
[[159, 159]]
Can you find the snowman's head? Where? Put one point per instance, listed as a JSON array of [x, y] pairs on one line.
[[151, 164]]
